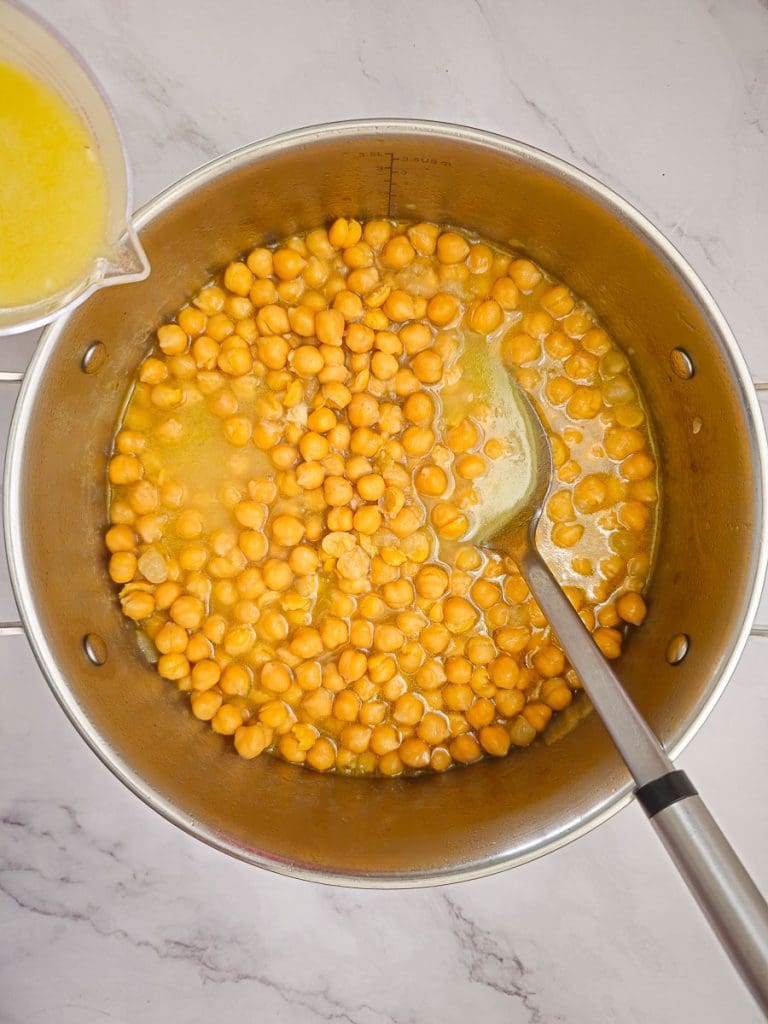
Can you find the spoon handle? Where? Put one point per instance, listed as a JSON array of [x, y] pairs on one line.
[[714, 874]]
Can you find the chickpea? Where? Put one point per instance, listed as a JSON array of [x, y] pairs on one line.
[[370, 486], [442, 309], [291, 749], [509, 702], [192, 321], [609, 641], [471, 467], [519, 349], [187, 612], [452, 248], [275, 677], [431, 480], [449, 521], [537, 715], [367, 519], [348, 304], [377, 233], [525, 274], [252, 740], [122, 566], [431, 582], [120, 538], [634, 515], [205, 674], [321, 755], [631, 607], [506, 293], [465, 749], [346, 706], [398, 253], [463, 436], [485, 316], [495, 740], [344, 233], [287, 530], [621, 442], [418, 440], [558, 301], [387, 638], [427, 366], [399, 306], [565, 535], [172, 339], [419, 408], [138, 605], [365, 441], [414, 752], [287, 264], [125, 469], [384, 366], [363, 410], [408, 710], [481, 650], [355, 737], [458, 614], [206, 704], [307, 361]]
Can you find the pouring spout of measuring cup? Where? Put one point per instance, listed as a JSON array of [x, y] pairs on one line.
[[125, 261]]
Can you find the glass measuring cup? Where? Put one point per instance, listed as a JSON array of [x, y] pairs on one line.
[[32, 45]]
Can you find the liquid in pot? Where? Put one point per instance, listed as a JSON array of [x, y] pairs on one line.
[[299, 460]]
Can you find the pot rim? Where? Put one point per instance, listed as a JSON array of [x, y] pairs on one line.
[[305, 136]]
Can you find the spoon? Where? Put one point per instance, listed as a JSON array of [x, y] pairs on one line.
[[718, 880]]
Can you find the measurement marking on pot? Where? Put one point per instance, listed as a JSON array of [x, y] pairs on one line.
[[389, 187]]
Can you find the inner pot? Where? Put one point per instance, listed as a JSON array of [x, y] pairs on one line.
[[710, 559]]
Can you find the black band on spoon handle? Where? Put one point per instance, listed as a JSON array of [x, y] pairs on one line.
[[667, 789]]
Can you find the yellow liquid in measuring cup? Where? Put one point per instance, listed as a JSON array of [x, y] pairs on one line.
[[53, 194]]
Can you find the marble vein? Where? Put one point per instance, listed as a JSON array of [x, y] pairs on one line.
[[487, 962]]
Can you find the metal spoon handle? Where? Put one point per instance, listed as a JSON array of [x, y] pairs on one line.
[[714, 874]]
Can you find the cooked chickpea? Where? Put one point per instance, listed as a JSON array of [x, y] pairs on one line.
[[452, 247], [442, 309], [206, 704], [287, 530], [252, 740], [463, 436], [525, 274], [122, 566], [431, 480], [398, 253], [485, 316], [427, 366], [631, 607], [465, 749]]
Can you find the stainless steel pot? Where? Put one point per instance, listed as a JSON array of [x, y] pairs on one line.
[[711, 557]]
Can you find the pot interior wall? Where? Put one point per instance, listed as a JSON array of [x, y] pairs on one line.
[[295, 819]]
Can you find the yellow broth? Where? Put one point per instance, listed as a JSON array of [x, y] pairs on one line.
[[301, 458]]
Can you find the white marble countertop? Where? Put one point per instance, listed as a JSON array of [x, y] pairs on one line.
[[111, 914]]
